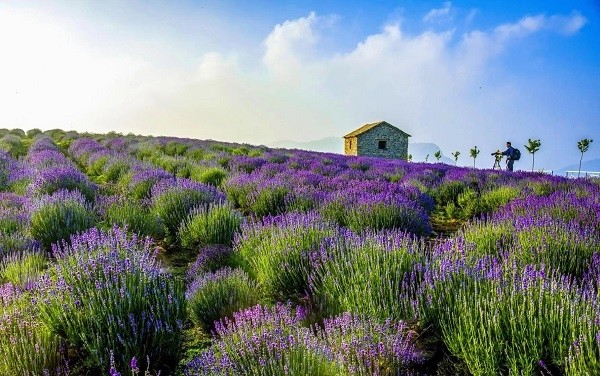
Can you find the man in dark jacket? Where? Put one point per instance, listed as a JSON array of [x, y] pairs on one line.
[[509, 152]]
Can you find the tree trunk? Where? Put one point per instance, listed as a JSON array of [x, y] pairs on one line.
[[580, 159], [533, 163]]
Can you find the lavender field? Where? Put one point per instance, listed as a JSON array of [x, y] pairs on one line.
[[143, 255]]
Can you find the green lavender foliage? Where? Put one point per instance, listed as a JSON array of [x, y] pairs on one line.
[[501, 319], [211, 175], [215, 224], [135, 216], [27, 346], [374, 275], [278, 255], [213, 296], [107, 292], [22, 268], [173, 207], [55, 221]]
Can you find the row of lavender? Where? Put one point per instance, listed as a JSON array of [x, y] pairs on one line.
[[98, 293], [562, 239], [556, 243], [353, 289]]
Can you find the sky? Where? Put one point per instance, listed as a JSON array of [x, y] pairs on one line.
[[457, 74]]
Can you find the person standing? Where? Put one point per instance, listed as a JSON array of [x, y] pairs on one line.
[[509, 152]]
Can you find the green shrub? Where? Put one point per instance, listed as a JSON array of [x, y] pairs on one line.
[[368, 276], [489, 238], [20, 186], [382, 216], [216, 224], [106, 292], [172, 204], [278, 254], [114, 169], [242, 150], [372, 215], [239, 195], [448, 192], [502, 320], [33, 132], [224, 162], [253, 153], [213, 296], [196, 154], [22, 268], [473, 204], [212, 175], [96, 168], [269, 201], [135, 216], [27, 346], [59, 216], [17, 242], [173, 148]]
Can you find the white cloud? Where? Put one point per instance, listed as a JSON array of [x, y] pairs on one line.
[[214, 66], [524, 27], [288, 42], [471, 16], [437, 86], [567, 25], [436, 14]]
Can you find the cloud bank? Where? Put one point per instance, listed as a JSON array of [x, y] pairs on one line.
[[439, 86]]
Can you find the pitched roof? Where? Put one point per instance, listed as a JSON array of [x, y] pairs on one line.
[[370, 126]]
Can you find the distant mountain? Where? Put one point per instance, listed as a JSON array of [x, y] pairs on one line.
[[419, 152], [590, 165]]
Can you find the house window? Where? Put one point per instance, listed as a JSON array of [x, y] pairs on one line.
[[382, 144], [350, 143]]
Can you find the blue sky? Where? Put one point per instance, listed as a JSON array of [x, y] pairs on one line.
[[458, 74]]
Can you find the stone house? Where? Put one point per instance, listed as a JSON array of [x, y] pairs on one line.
[[379, 139]]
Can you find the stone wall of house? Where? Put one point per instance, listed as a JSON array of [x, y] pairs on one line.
[[350, 146], [396, 143]]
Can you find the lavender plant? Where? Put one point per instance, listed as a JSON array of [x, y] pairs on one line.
[[215, 224], [374, 275], [22, 268], [54, 179], [363, 211], [139, 182], [212, 175], [210, 259], [367, 347], [263, 341], [499, 318], [173, 201], [130, 214], [55, 217], [108, 292], [26, 345], [277, 253], [213, 296]]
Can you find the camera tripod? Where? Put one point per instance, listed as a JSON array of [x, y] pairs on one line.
[[497, 160]]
